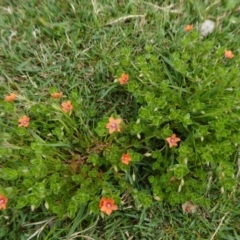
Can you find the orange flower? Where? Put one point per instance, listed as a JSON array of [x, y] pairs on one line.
[[123, 79], [126, 158], [188, 28], [189, 207], [67, 106], [114, 125], [172, 141], [107, 205], [23, 121], [228, 54], [11, 97], [57, 94], [3, 202]]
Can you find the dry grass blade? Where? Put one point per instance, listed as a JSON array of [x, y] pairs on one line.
[[122, 19], [210, 6], [78, 234], [38, 223], [38, 232], [168, 8], [220, 224], [95, 7]]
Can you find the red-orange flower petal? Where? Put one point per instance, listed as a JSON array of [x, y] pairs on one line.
[[126, 158], [123, 79], [172, 141], [57, 94], [67, 106], [23, 121], [107, 205], [188, 28], [11, 97], [228, 54], [3, 202], [101, 204], [114, 125]]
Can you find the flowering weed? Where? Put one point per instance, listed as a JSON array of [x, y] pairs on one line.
[[11, 97], [119, 115]]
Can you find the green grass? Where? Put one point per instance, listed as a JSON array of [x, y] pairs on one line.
[[76, 47]]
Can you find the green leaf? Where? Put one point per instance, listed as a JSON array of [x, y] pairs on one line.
[[93, 173], [142, 199], [21, 131], [39, 190], [93, 207], [81, 197], [101, 129], [206, 157], [144, 113], [33, 200], [93, 158], [78, 179], [23, 171], [8, 174], [166, 131], [36, 162], [137, 128], [161, 102], [179, 170], [21, 202], [150, 98], [187, 120], [75, 94], [8, 106], [136, 157], [55, 187]]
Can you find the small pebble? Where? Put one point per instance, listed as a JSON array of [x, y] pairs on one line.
[[207, 27]]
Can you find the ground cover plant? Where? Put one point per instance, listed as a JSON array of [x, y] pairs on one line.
[[119, 120]]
